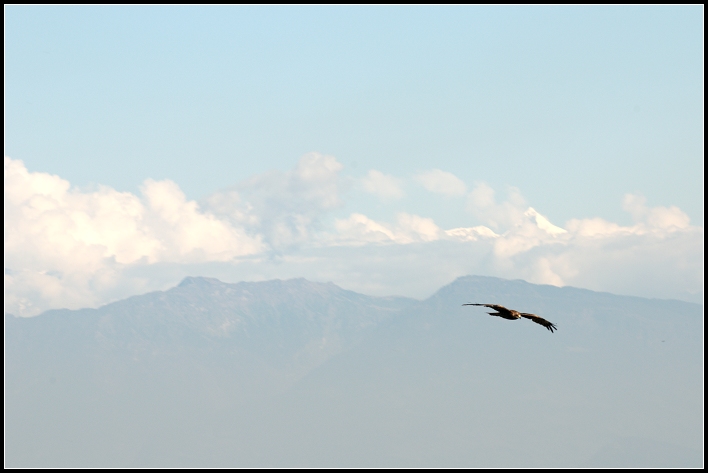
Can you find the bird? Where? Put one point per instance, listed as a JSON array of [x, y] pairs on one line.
[[511, 314]]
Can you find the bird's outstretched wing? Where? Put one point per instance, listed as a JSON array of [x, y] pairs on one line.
[[539, 320], [498, 308]]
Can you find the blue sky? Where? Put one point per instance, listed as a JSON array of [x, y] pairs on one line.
[[565, 110]]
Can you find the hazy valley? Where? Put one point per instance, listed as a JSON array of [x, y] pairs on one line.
[[297, 373]]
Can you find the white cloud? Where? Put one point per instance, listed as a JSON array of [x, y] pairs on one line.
[[68, 248], [657, 217], [470, 234], [382, 185], [589, 227], [660, 255], [358, 230], [482, 204], [441, 182], [284, 207], [415, 228]]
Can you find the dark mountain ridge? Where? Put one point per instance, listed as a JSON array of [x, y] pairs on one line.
[[273, 318], [297, 373]]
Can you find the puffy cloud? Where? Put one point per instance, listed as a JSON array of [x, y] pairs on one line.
[[482, 204], [657, 220], [525, 227], [71, 226], [660, 255], [382, 185], [632, 260], [65, 247], [470, 234], [657, 217], [530, 230], [442, 182], [284, 207], [187, 234], [415, 228], [358, 230], [589, 227]]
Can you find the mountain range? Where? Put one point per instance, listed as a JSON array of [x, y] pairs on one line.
[[299, 373]]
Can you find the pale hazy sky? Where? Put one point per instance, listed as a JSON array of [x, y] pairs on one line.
[[386, 149]]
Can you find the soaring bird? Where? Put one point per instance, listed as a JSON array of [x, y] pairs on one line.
[[510, 314]]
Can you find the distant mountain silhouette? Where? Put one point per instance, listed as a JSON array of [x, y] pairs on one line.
[[283, 322], [298, 373]]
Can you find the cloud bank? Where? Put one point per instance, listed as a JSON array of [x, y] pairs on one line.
[[382, 185], [441, 182], [65, 247]]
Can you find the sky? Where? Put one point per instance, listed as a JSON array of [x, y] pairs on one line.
[[386, 149]]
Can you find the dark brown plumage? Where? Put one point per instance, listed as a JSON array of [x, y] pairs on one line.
[[511, 314]]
